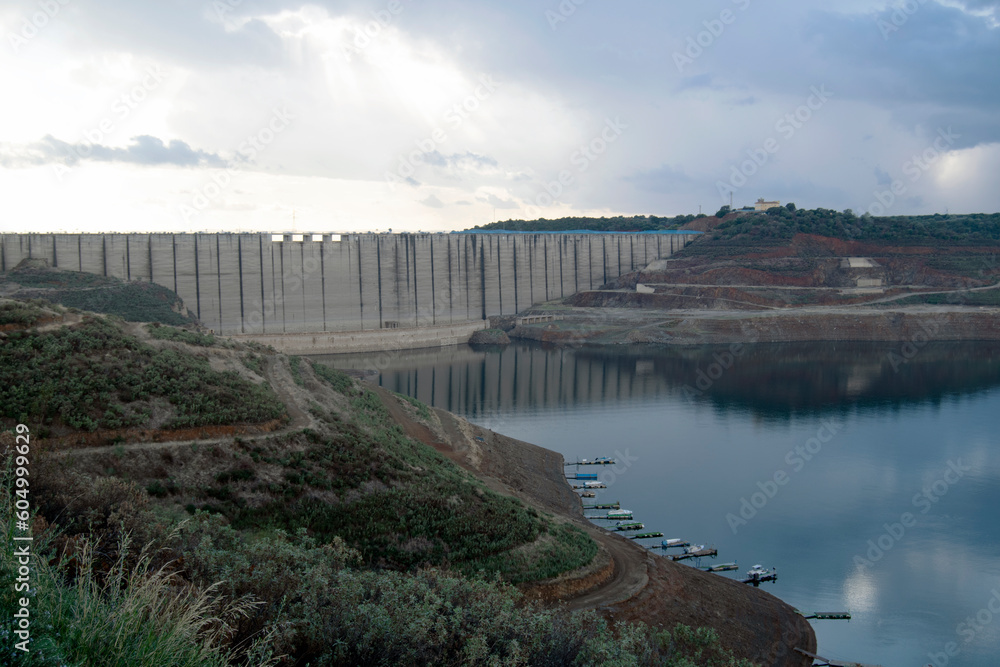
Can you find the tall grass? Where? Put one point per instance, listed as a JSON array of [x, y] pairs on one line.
[[135, 615], [85, 610]]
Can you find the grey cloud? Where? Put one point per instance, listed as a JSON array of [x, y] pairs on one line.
[[196, 32], [496, 202], [433, 202], [982, 5], [664, 179], [144, 150], [465, 160]]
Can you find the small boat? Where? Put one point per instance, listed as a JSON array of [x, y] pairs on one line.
[[758, 571], [694, 548], [674, 542], [620, 514], [758, 574], [595, 485]]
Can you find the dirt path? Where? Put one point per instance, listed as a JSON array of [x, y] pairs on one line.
[[281, 381], [896, 297], [68, 319], [630, 577]]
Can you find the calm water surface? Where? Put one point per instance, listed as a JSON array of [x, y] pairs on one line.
[[888, 506]]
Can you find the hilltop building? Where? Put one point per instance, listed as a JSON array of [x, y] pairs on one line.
[[762, 205]]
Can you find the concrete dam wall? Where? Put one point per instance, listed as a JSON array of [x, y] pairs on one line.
[[308, 283]]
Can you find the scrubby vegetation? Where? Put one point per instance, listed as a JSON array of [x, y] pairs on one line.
[[401, 504], [346, 543], [94, 376], [422, 410], [181, 335], [23, 313], [636, 223], [132, 301], [203, 593], [295, 366], [780, 224], [340, 381]]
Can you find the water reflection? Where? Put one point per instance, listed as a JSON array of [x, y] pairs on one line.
[[801, 378], [707, 427]]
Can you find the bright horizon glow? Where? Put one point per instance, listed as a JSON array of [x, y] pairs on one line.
[[426, 117]]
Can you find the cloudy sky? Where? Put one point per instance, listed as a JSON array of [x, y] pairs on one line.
[[188, 115]]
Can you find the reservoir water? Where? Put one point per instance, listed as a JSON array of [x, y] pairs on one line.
[[867, 474]]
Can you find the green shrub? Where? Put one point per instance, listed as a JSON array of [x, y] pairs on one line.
[[236, 475], [19, 312], [92, 376], [181, 335], [253, 361], [295, 365], [340, 381], [116, 609], [422, 410]]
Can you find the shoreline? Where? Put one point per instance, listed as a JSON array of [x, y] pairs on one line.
[[618, 326], [624, 582]]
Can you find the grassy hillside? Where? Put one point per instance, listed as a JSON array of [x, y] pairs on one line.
[[341, 543], [132, 301], [308, 546], [94, 376], [402, 505]]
